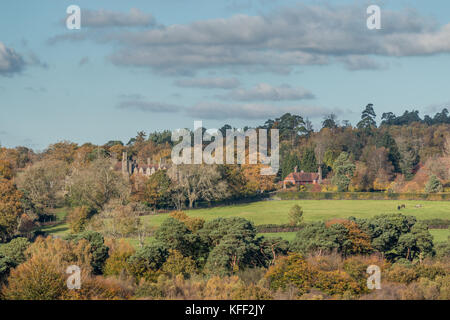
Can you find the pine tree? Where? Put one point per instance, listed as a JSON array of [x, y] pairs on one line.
[[367, 118]]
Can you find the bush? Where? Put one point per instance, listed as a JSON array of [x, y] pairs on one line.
[[98, 249], [36, 279], [78, 219], [401, 274], [295, 215], [177, 264], [94, 288], [337, 283], [292, 270], [252, 292], [433, 185], [116, 264], [443, 249], [15, 249], [147, 262], [148, 289]]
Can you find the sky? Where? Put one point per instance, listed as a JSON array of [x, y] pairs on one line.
[[154, 65]]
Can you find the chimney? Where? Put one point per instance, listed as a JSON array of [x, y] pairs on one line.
[[295, 169], [148, 162]]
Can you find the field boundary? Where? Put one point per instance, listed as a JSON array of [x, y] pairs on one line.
[[297, 195]]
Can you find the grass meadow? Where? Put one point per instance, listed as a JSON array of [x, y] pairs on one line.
[[276, 212]]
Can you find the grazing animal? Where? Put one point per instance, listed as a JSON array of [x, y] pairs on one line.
[[403, 206], [418, 206]]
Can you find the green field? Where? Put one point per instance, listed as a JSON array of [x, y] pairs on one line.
[[61, 228], [440, 235], [276, 212]]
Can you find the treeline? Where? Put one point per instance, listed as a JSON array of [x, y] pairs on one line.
[[409, 117], [225, 259], [393, 159]]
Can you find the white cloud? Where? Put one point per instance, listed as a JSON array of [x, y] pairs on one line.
[[149, 106], [219, 111], [208, 83], [264, 91], [276, 42], [105, 18], [10, 61]]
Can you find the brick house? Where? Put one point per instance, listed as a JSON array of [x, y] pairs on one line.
[[301, 178]]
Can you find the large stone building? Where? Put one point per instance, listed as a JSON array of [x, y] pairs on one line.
[[130, 167]]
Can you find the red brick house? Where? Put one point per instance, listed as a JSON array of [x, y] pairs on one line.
[[301, 178]]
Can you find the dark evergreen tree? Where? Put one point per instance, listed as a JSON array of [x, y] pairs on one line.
[[367, 118]]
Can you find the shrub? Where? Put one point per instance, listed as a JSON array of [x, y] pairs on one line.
[[177, 264], [291, 270], [99, 251], [295, 215], [401, 274], [225, 288], [98, 287], [252, 292], [433, 185], [36, 279], [148, 289], [337, 283], [193, 224], [443, 249], [15, 249], [77, 219], [117, 264], [147, 262], [42, 275]]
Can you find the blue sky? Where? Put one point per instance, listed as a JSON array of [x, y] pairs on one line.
[[153, 65]]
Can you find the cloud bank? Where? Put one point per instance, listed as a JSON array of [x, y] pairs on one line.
[[264, 91]]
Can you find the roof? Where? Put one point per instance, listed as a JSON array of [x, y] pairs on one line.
[[302, 176]]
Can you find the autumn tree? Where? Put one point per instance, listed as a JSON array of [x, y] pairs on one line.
[[63, 151], [156, 191], [96, 185], [43, 182], [177, 264], [343, 170], [6, 170], [192, 223], [10, 209], [256, 182], [78, 218], [198, 182], [42, 276]]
